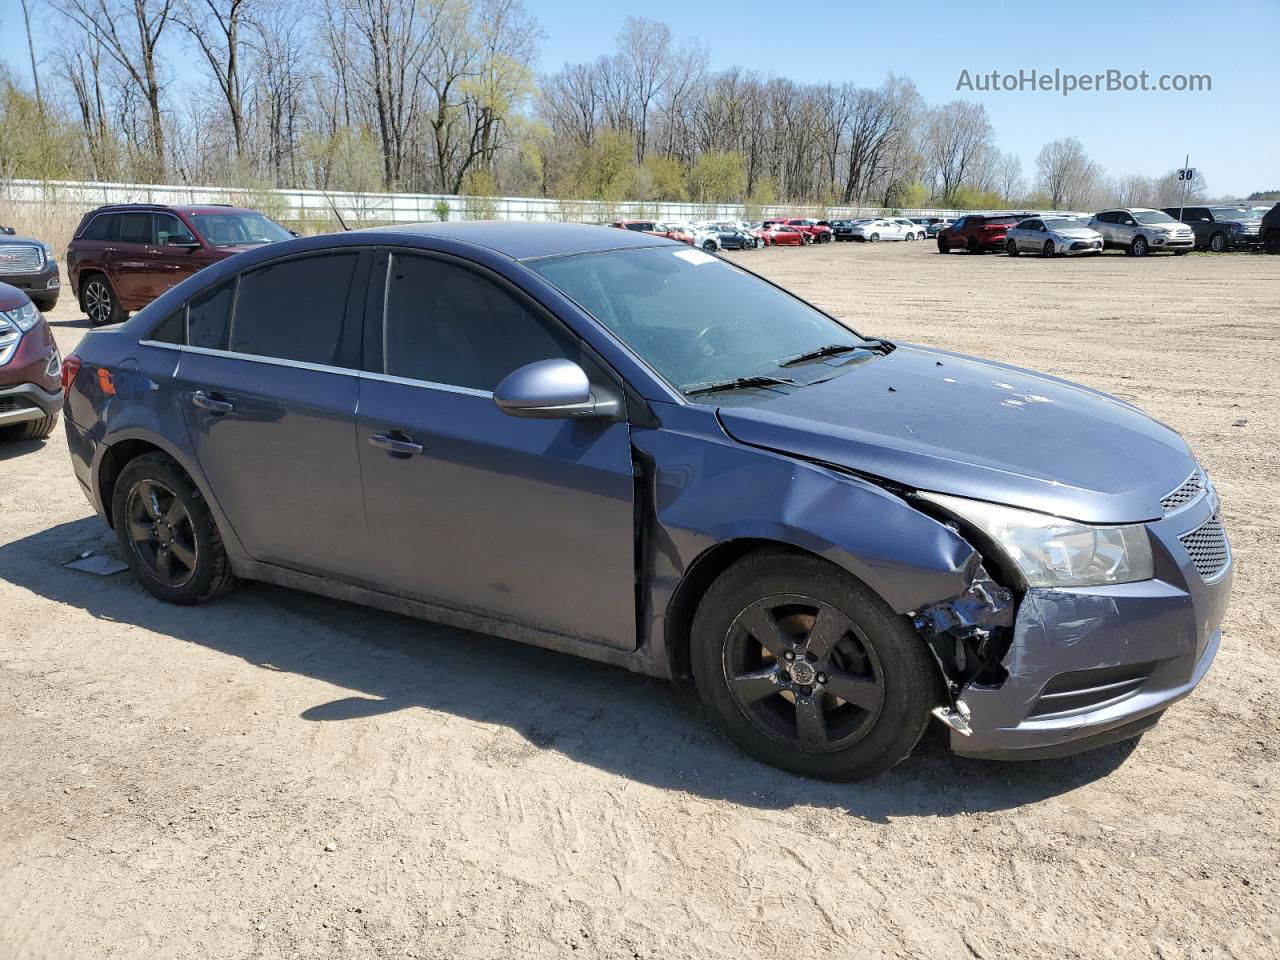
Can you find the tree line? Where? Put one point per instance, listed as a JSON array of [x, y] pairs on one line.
[[443, 96]]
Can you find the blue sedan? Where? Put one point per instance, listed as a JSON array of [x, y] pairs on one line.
[[616, 446]]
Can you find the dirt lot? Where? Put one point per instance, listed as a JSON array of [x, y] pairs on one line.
[[277, 775]]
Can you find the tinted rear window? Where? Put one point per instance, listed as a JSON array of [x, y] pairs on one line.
[[209, 316], [135, 228], [100, 228], [294, 310]]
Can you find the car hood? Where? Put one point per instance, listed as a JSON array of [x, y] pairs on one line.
[[1079, 233], [7, 239], [948, 423]]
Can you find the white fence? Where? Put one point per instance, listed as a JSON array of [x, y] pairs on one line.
[[311, 206]]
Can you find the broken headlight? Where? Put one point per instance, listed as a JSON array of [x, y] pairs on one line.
[[1053, 552]]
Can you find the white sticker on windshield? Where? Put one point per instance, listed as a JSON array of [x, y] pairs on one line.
[[695, 256]]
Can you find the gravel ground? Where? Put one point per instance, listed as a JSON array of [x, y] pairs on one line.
[[279, 775]]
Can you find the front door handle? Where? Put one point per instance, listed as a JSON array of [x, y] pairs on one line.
[[211, 403], [396, 443]]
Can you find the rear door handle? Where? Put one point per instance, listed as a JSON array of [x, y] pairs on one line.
[[211, 403], [395, 443]]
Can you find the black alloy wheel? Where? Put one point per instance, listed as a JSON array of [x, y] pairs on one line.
[[1048, 250], [1011, 247], [1218, 243], [161, 533], [166, 532], [804, 668]]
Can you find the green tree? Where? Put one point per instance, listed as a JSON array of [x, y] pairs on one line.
[[718, 177]]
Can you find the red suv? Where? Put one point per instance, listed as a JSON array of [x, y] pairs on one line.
[[978, 234], [123, 256]]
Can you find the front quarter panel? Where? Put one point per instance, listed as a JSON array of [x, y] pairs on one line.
[[706, 490]]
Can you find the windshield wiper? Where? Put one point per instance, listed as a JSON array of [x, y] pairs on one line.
[[833, 349], [738, 383]]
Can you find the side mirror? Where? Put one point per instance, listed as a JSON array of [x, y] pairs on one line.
[[7, 231], [554, 389]]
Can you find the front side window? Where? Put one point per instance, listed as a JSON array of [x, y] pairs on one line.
[[1031, 225], [695, 319], [294, 309], [447, 324], [171, 230], [238, 229]]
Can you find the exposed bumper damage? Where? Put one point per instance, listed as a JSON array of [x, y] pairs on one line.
[[1057, 671]]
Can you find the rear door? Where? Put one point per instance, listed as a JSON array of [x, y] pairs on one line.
[[268, 385], [526, 520], [128, 260]]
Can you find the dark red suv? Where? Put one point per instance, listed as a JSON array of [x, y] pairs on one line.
[[978, 233], [123, 256]]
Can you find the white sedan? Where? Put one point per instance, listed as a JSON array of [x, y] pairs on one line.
[[1052, 236], [873, 231]]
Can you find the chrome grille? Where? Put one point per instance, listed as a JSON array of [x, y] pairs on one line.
[[17, 258], [1191, 488], [1207, 547]]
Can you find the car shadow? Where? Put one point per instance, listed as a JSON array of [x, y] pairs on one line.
[[11, 449], [74, 323], [633, 726]]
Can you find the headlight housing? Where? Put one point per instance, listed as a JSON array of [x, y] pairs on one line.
[[23, 317], [1052, 552]]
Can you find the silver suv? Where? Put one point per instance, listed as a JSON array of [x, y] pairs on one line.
[[1139, 230]]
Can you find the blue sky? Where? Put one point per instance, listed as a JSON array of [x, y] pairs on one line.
[[1232, 132]]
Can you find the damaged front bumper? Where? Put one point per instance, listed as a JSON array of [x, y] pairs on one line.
[[1085, 666]]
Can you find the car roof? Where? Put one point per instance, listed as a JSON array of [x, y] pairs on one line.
[[528, 239], [188, 208]]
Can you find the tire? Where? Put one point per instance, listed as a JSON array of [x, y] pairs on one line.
[[872, 655], [1011, 248], [1218, 243], [874, 238], [1139, 247], [146, 492], [709, 246], [1047, 250], [1271, 242], [45, 304], [100, 303], [31, 430], [973, 246], [943, 246]]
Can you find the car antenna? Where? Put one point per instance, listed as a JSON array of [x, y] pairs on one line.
[[342, 223]]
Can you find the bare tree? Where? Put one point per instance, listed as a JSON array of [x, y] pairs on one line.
[[216, 26], [1067, 175], [129, 32], [957, 137], [31, 50]]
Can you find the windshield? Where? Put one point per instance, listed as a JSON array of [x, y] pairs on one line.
[[1152, 216], [1232, 213], [234, 229], [694, 318], [1063, 223], [998, 221]]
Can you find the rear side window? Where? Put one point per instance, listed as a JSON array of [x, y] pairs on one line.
[[448, 324], [172, 329], [294, 310], [135, 228], [102, 227], [209, 316]]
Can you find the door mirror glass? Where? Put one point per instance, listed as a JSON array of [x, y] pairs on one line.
[[553, 389]]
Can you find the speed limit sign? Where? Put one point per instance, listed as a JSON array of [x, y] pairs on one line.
[[1187, 173]]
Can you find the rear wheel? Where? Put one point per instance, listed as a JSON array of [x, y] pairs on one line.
[[1218, 243], [974, 246], [167, 534], [100, 301], [943, 246], [806, 669], [1011, 248], [1271, 242], [31, 430]]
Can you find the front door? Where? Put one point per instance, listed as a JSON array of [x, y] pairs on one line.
[[175, 253], [526, 520], [268, 387], [129, 264]]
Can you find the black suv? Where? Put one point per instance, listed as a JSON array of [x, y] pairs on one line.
[[29, 265], [1220, 228], [1270, 230]]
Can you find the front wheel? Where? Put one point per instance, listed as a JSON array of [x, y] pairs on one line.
[[1218, 243], [1139, 247], [709, 246], [167, 534], [807, 670], [1047, 250], [874, 238], [943, 246], [31, 429], [1011, 248], [1271, 242]]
